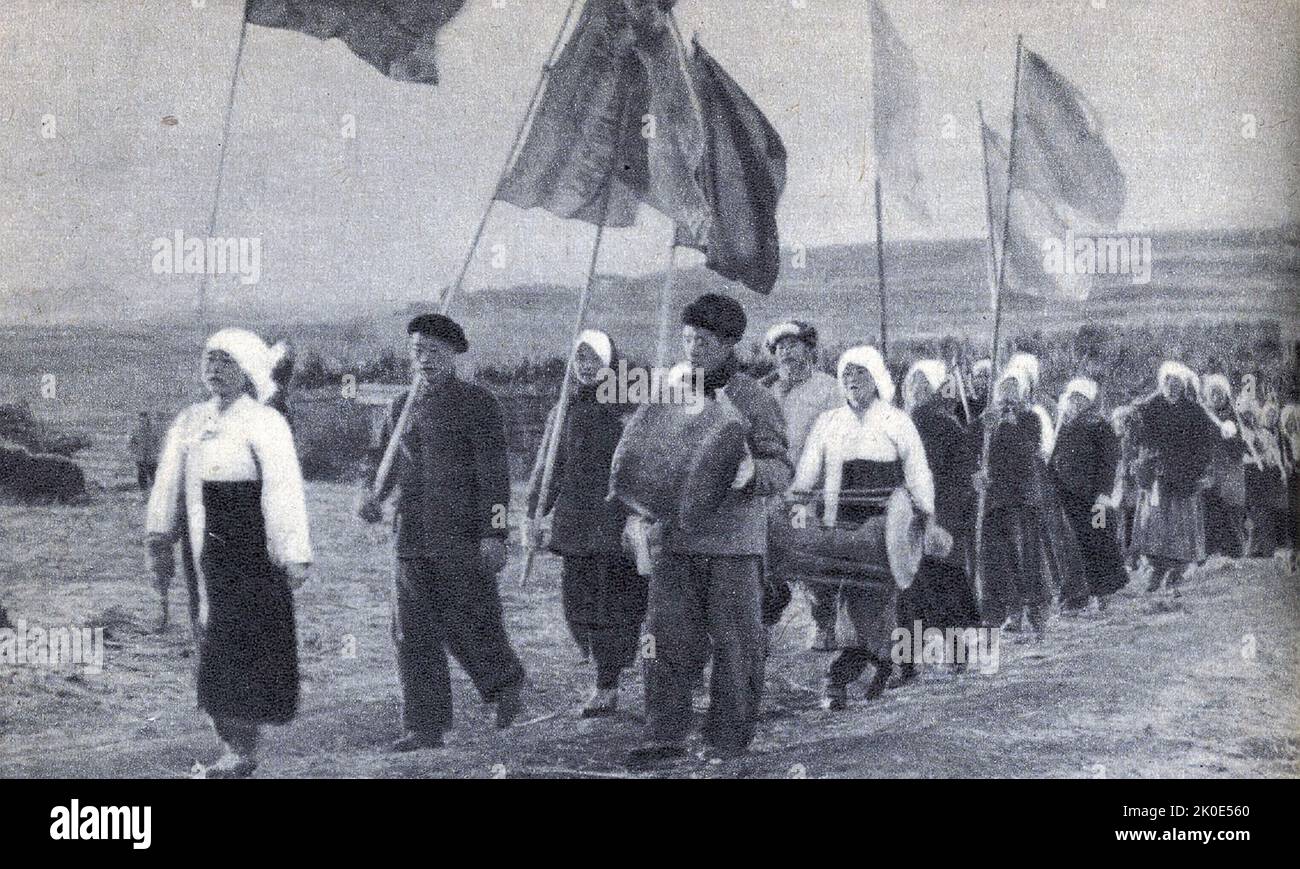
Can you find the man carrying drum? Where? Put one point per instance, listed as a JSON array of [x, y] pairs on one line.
[[706, 583]]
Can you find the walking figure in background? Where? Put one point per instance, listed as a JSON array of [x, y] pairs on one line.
[[145, 445]]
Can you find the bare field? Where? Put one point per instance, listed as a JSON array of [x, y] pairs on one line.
[[1156, 686]]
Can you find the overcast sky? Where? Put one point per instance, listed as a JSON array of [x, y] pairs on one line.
[[388, 215]]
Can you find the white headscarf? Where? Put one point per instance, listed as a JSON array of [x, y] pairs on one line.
[[985, 365], [1028, 364], [865, 356], [599, 343], [935, 372], [1085, 386], [1172, 368], [253, 357]]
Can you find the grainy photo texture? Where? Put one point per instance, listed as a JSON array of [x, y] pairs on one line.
[[649, 388]]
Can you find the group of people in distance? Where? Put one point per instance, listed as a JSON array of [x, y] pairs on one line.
[[1024, 508]]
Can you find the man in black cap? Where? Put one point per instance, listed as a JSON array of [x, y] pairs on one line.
[[454, 488], [706, 584]]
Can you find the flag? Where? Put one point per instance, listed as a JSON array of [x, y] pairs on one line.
[[1061, 150], [896, 102], [615, 126], [1033, 222], [1067, 187], [396, 37], [743, 174]]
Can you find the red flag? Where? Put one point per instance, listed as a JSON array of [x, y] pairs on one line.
[[396, 37], [615, 126], [743, 176]]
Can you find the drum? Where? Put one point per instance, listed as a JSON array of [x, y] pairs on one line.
[[888, 546], [675, 463]]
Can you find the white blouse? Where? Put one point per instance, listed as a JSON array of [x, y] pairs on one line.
[[883, 434], [247, 441]]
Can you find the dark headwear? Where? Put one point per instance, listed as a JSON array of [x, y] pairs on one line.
[[721, 315], [443, 328]]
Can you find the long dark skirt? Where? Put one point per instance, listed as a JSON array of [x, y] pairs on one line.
[[941, 596], [604, 604], [248, 653], [1170, 527], [1224, 526], [1103, 563]]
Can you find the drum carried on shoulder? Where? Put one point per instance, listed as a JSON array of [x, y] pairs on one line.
[[675, 462], [886, 547]]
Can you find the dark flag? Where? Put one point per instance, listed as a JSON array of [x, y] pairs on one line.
[[615, 126], [743, 176], [396, 37]]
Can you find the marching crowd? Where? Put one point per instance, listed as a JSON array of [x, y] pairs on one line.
[[1022, 510]]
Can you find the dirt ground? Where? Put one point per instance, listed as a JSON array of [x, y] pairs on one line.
[[1203, 684]]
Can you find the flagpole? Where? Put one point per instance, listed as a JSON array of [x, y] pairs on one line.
[[665, 305], [998, 287], [988, 207], [880, 272], [551, 439], [520, 131], [403, 419], [206, 278]]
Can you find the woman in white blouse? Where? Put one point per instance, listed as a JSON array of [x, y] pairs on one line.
[[229, 475], [866, 444]]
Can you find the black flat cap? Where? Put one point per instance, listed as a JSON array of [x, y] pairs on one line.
[[721, 315], [445, 329]]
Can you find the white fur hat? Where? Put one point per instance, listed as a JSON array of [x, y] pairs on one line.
[[868, 357], [253, 357]]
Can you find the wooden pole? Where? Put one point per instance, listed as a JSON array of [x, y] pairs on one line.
[[403, 419], [665, 306], [520, 132], [997, 326], [205, 280], [555, 431], [880, 272]]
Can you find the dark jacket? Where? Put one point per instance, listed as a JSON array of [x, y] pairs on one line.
[[1086, 457], [584, 522], [1182, 440], [952, 462], [1013, 457], [451, 469]]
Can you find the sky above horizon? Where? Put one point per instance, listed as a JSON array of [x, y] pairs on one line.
[[388, 215]]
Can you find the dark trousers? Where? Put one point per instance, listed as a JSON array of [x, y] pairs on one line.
[[777, 595], [447, 604], [850, 664], [1013, 573], [604, 604], [144, 474], [702, 605]]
